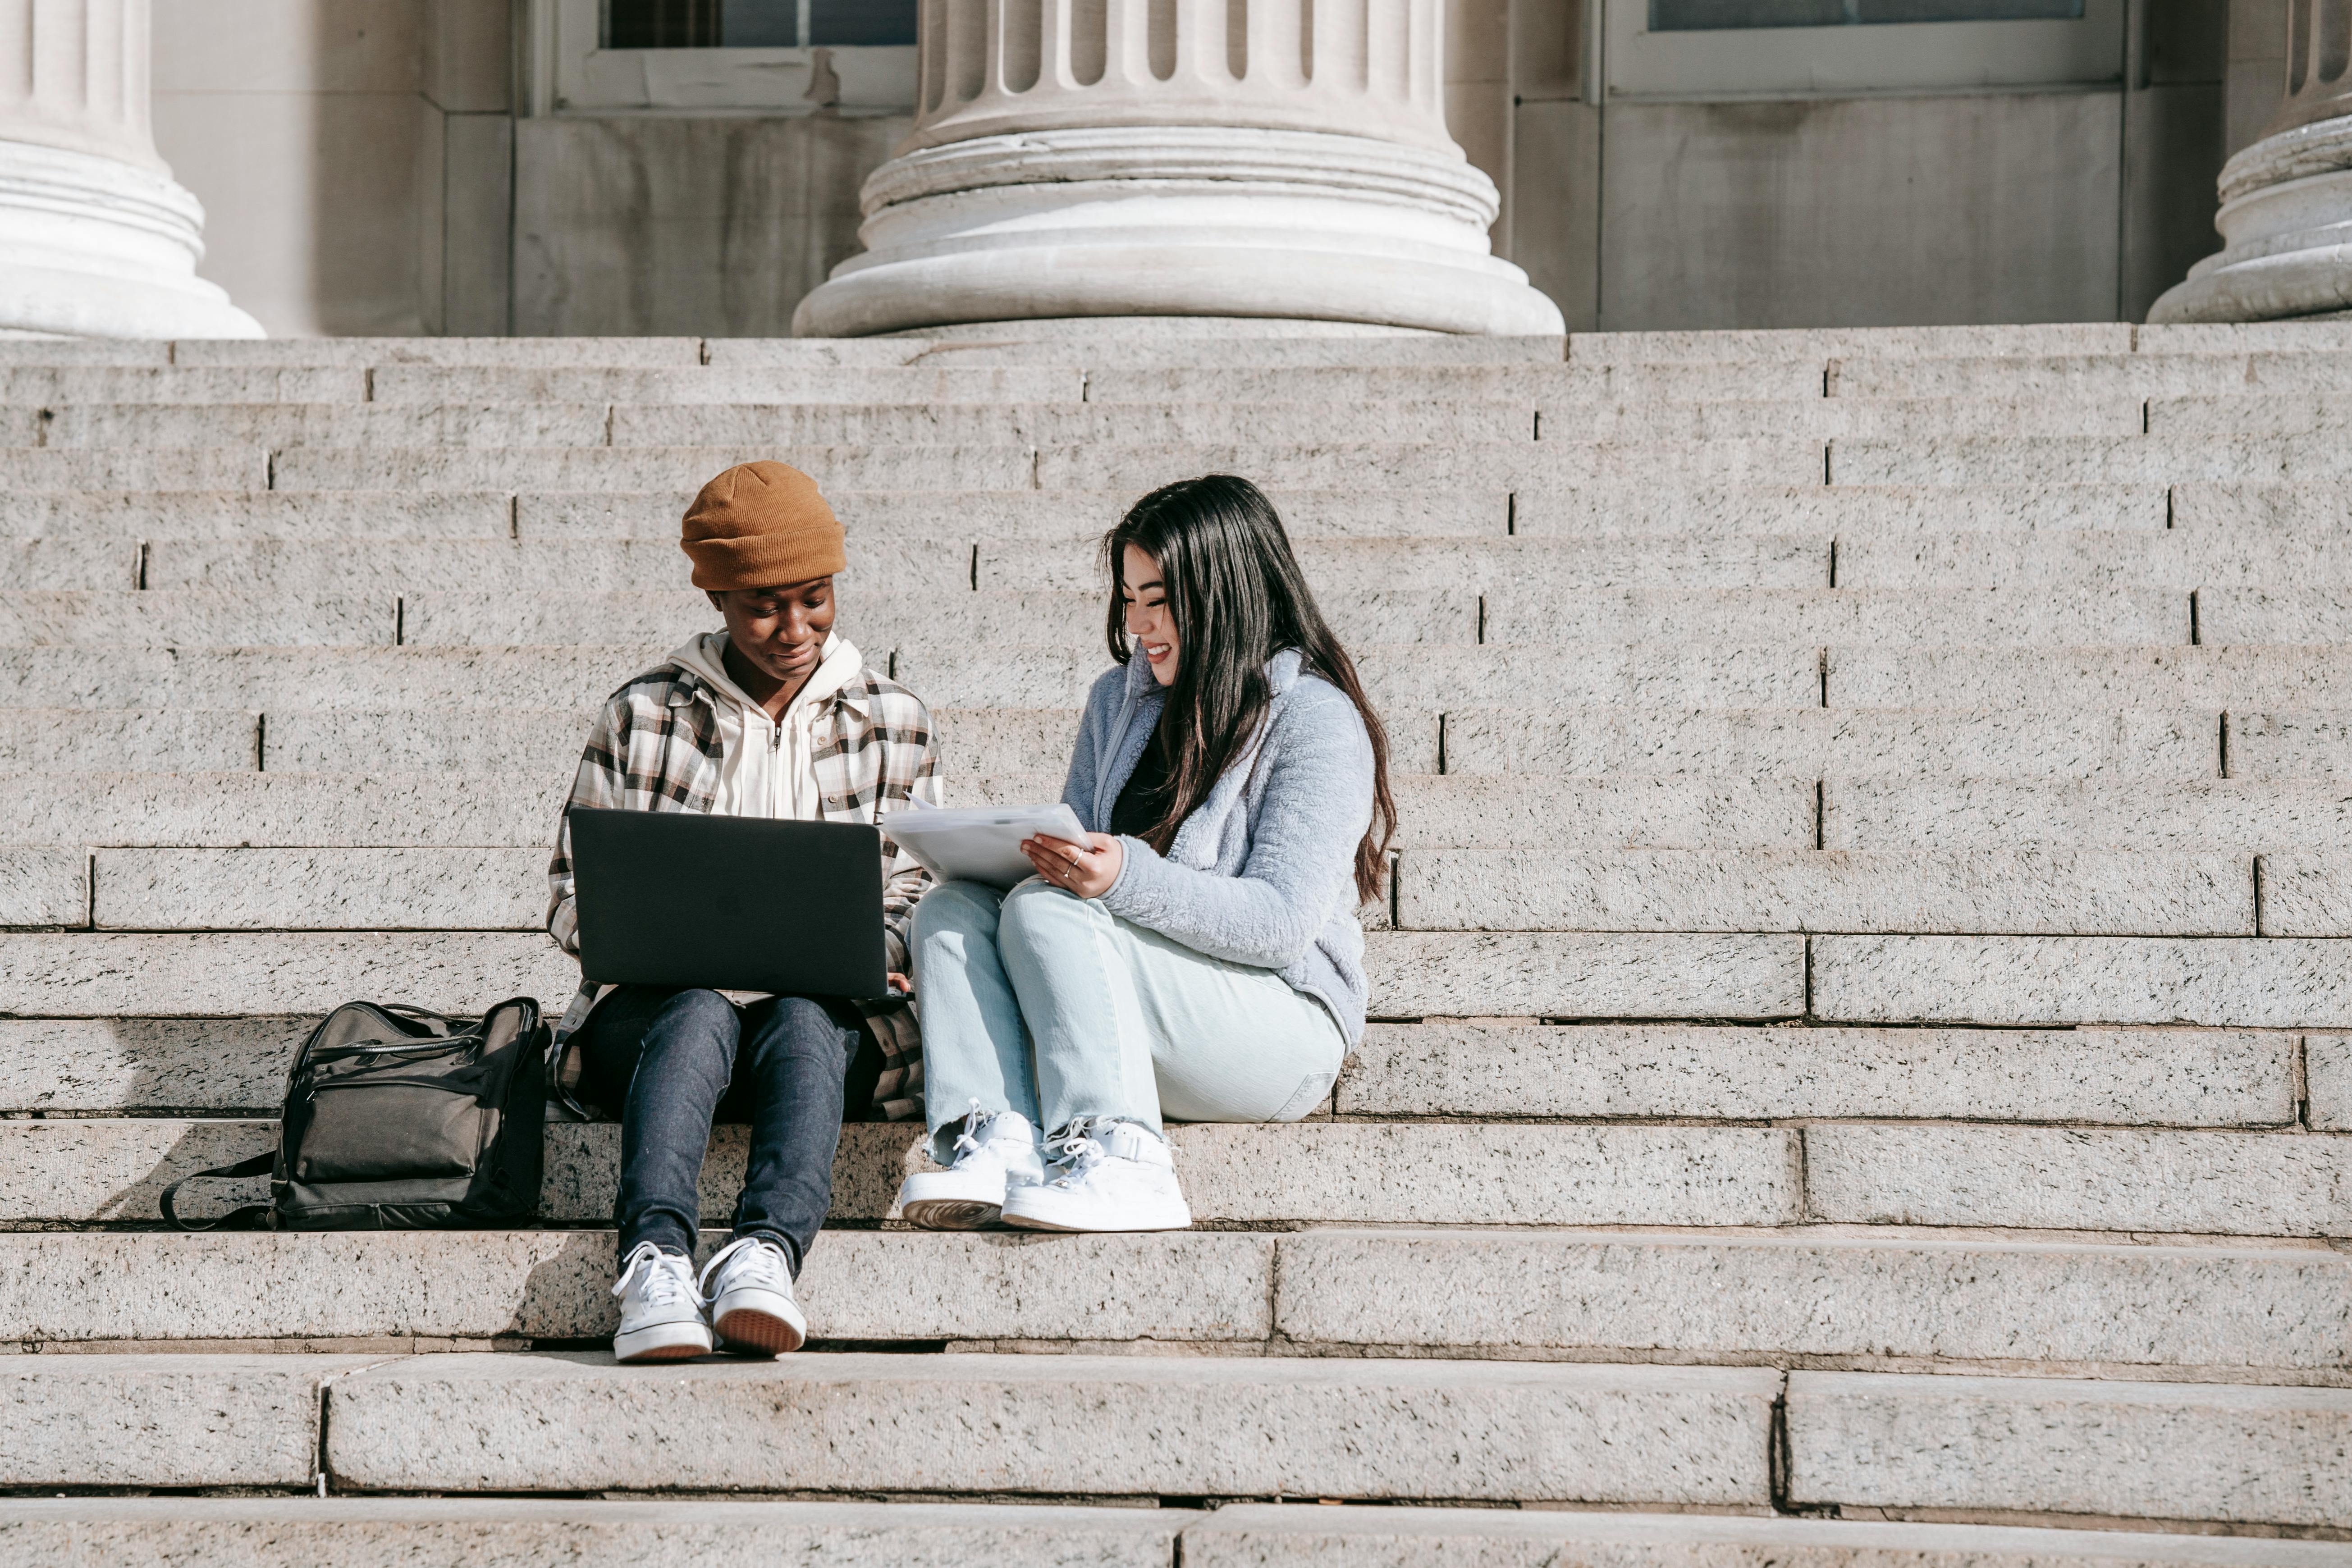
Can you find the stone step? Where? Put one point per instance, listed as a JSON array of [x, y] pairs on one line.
[[1100, 466], [2151, 676], [2136, 1450], [2161, 1077], [2090, 459], [1533, 613], [2267, 983], [2202, 1182], [1820, 742], [158, 740], [896, 518], [2155, 1076], [943, 566], [157, 469], [2015, 892], [193, 619], [32, 385], [1189, 1426], [2009, 891], [1248, 1535], [1824, 343], [1538, 511], [1557, 416], [2208, 817], [2274, 614], [1099, 383], [977, 744], [1546, 510], [2210, 559], [377, 1533], [2038, 372], [1789, 380], [929, 383], [2277, 1308], [241, 1421], [946, 608], [2315, 510], [357, 809], [1419, 679], [891, 517], [519, 351], [471, 424], [1411, 975], [2265, 413], [91, 518]]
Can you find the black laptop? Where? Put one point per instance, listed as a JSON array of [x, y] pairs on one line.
[[733, 903]]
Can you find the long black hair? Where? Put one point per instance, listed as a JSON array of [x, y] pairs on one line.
[[1238, 598]]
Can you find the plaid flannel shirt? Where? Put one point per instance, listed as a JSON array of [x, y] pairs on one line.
[[656, 747]]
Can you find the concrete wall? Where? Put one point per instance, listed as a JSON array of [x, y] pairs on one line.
[[2079, 204], [713, 227]]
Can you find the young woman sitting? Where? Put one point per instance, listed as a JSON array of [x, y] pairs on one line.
[[1198, 957]]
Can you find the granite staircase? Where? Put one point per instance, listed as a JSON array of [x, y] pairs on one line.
[[1864, 1063]]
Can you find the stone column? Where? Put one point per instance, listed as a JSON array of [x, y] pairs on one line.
[[1234, 158], [2287, 199], [96, 240]]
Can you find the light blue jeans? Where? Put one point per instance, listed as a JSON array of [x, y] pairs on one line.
[[1039, 1002]]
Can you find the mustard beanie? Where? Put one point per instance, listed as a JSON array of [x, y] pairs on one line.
[[760, 525]]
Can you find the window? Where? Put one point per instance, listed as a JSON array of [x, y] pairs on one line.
[[1708, 16], [693, 57], [1716, 49], [757, 24]]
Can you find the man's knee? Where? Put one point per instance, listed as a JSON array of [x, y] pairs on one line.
[[798, 1026]]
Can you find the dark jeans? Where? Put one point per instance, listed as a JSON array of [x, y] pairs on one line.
[[676, 1061]]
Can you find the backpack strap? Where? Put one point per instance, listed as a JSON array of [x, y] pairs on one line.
[[236, 1219]]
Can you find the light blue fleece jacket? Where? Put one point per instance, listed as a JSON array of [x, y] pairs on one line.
[[1263, 872]]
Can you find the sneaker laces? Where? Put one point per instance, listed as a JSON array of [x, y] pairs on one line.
[[975, 1122], [668, 1277], [765, 1258], [1076, 1149]]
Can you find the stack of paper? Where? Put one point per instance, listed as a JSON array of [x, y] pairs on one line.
[[979, 843]]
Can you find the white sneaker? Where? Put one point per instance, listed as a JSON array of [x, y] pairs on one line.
[[1107, 1175], [751, 1298], [995, 1153], [661, 1315]]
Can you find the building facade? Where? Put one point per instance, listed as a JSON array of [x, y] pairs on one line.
[[694, 166]]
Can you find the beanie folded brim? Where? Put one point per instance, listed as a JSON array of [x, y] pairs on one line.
[[766, 559]]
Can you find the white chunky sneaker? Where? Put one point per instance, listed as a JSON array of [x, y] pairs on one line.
[[749, 1285], [995, 1153], [1107, 1175], [661, 1315]]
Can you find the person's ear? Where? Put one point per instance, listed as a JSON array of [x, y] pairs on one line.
[[718, 600]]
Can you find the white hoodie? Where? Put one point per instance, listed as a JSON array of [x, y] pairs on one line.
[[768, 768]]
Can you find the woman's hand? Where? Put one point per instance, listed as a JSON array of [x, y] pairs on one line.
[[902, 984], [1087, 870]]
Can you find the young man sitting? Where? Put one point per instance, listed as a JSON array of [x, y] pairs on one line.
[[776, 716]]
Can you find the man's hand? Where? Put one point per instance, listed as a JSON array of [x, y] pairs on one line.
[[1087, 870]]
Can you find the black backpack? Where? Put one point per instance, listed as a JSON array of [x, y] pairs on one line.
[[398, 1119]]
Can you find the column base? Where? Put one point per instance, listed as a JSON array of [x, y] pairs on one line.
[[1177, 221], [91, 246], [2287, 213]]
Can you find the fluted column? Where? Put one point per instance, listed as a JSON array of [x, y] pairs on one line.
[[2287, 199], [96, 240], [1234, 158]]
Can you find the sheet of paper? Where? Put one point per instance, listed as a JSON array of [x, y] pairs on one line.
[[977, 843]]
